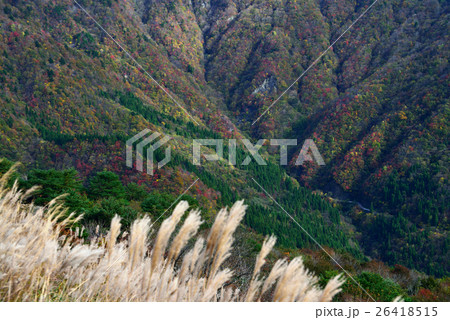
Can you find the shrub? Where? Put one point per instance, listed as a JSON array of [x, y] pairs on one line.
[[102, 213], [156, 203], [52, 184], [135, 192], [381, 289], [106, 184]]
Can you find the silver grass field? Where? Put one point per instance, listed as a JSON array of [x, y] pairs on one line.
[[41, 261]]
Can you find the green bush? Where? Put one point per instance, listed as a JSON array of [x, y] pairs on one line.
[[135, 192], [52, 183], [381, 289], [106, 184], [103, 212], [157, 203]]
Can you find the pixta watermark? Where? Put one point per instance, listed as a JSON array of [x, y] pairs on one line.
[[148, 141]]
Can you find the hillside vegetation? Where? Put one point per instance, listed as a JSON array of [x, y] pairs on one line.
[[376, 105], [38, 264], [72, 223]]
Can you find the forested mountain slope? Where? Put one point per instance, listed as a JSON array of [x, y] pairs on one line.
[[71, 98], [376, 105]]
